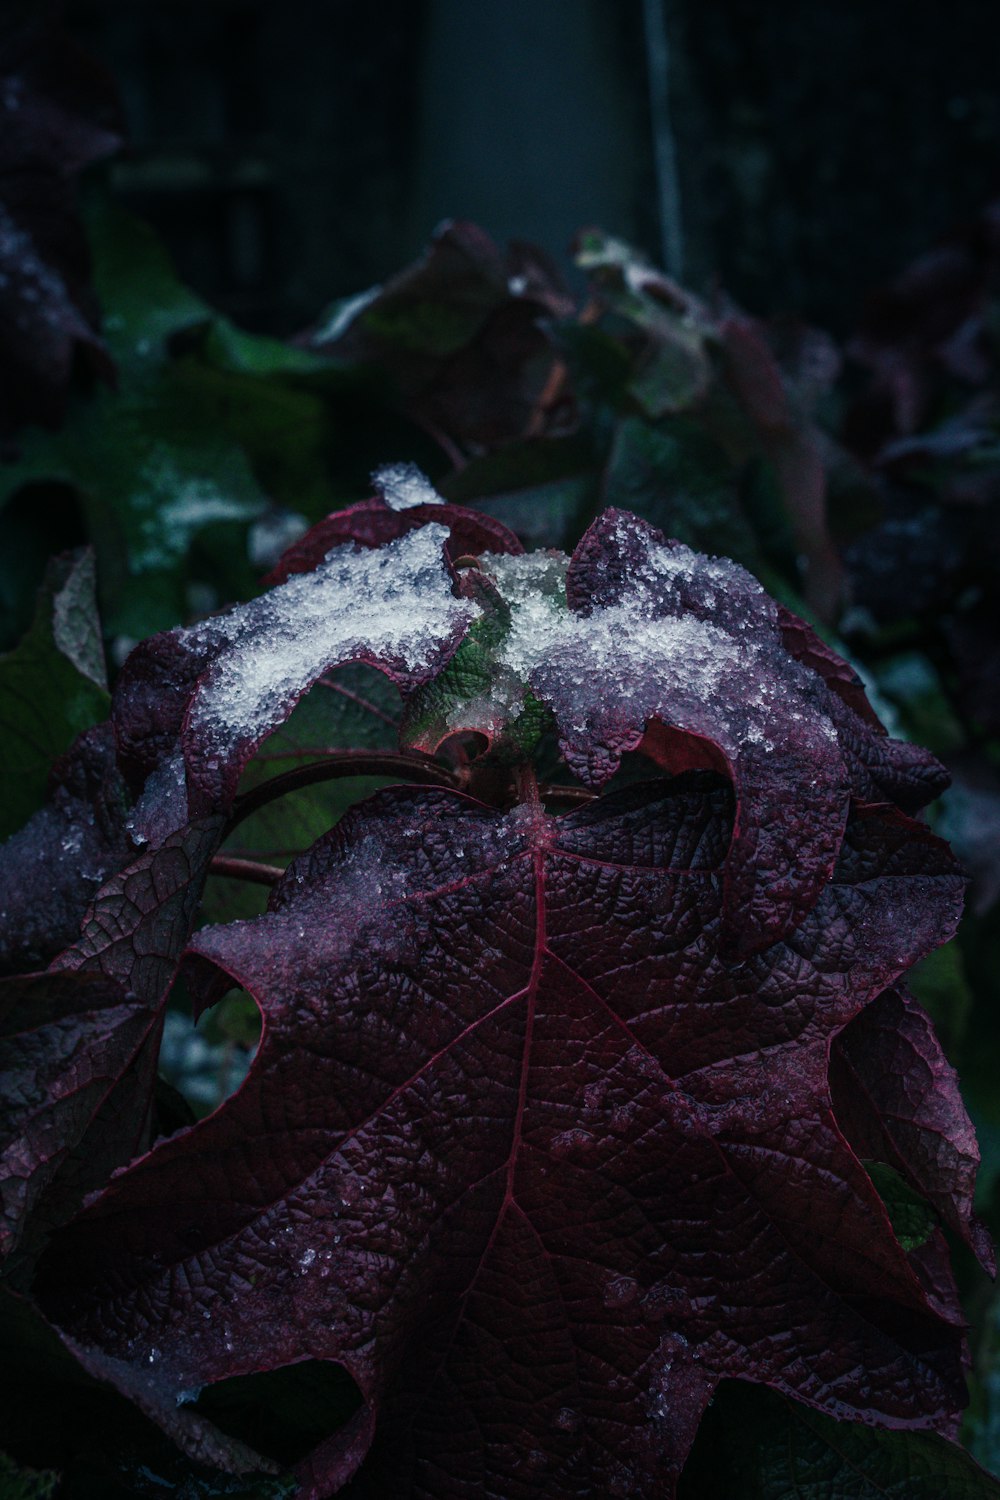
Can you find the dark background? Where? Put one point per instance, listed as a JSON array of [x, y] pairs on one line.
[[291, 151]]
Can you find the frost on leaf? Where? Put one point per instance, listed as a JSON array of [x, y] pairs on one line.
[[203, 699], [640, 642], [374, 522], [530, 1153]]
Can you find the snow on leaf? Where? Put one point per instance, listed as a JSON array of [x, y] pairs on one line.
[[530, 1153], [641, 642], [657, 635], [402, 486], [214, 691], [372, 523]]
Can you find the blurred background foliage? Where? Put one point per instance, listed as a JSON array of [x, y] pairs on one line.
[[210, 339]]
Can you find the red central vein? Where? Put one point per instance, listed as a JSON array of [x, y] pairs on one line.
[[530, 990], [533, 986]]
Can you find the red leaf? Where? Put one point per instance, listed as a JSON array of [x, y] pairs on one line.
[[526, 1152]]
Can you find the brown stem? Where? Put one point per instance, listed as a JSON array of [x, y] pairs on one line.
[[566, 793], [423, 771], [245, 869], [526, 784]]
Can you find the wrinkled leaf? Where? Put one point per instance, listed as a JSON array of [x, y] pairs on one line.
[[52, 867], [558, 1119]]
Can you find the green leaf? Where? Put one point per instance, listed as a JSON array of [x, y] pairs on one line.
[[939, 983], [672, 369], [354, 707], [544, 489], [911, 683], [208, 430], [982, 1420], [674, 475], [52, 686], [755, 1445], [475, 691], [911, 1216], [25, 1484]]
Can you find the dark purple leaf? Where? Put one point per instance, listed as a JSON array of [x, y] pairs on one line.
[[460, 336], [528, 1154], [51, 869], [897, 1101], [57, 113], [65, 1040], [79, 1043], [881, 768], [657, 635]]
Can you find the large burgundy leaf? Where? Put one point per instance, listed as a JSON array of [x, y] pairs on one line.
[[528, 1154]]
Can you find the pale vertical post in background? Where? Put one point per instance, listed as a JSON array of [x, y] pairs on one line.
[[665, 155]]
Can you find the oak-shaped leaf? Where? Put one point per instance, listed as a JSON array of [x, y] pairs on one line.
[[529, 1155], [898, 1102]]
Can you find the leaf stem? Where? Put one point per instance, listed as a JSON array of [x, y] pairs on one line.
[[565, 793], [245, 869], [421, 769]]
